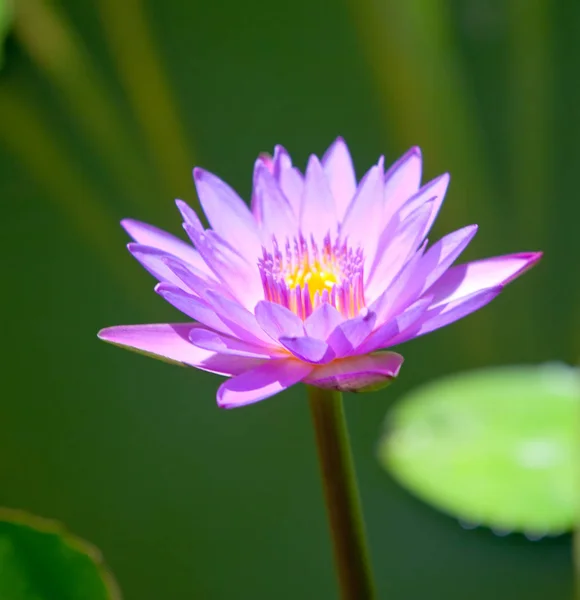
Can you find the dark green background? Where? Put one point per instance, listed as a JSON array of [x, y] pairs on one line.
[[185, 500]]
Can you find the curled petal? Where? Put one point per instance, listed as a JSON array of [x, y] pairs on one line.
[[261, 382], [358, 373], [350, 334]]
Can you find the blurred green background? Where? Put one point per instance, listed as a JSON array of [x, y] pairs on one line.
[[104, 108]]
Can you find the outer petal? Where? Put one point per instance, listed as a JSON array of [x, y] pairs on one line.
[[227, 213], [357, 373], [318, 211], [224, 344], [265, 380], [339, 170], [465, 279], [402, 181], [171, 343], [148, 235]]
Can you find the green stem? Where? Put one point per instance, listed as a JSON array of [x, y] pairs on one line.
[[341, 494]]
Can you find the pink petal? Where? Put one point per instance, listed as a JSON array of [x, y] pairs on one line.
[[261, 382], [402, 181], [339, 170], [350, 334], [358, 373], [308, 349], [468, 278], [227, 213], [170, 342], [147, 235], [362, 222], [277, 320], [276, 215], [224, 344], [322, 322], [318, 211]]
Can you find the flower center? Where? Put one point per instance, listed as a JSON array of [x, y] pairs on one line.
[[301, 277]]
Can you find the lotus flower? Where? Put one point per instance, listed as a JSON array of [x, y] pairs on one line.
[[314, 281]]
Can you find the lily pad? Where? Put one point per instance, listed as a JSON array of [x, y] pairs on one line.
[[496, 447], [39, 560]]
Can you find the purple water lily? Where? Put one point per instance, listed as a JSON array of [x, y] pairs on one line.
[[315, 281]]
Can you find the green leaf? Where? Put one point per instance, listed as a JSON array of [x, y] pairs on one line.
[[496, 447], [6, 14], [39, 560]]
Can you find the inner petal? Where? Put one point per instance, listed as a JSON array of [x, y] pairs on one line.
[[301, 276]]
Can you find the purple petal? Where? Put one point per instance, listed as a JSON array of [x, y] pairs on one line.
[[289, 178], [434, 190], [318, 211], [442, 315], [339, 170], [262, 382], [465, 279], [358, 373], [189, 215], [223, 344], [276, 215], [397, 296], [170, 342], [308, 349], [227, 213], [322, 322], [152, 260], [240, 320], [277, 321], [362, 221], [396, 327], [402, 181], [394, 253], [351, 333], [235, 272], [194, 280], [147, 235], [193, 306]]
